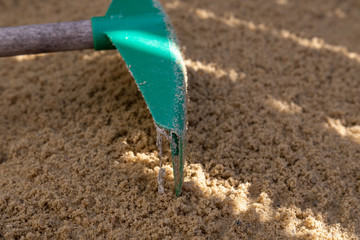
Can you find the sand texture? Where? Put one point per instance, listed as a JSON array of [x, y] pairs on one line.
[[273, 128]]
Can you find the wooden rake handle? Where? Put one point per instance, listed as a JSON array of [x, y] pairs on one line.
[[43, 38]]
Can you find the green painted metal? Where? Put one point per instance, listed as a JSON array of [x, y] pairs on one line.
[[142, 33]]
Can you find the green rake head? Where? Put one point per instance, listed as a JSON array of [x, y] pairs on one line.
[[141, 31]]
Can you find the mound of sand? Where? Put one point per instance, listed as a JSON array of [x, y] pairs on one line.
[[273, 140]]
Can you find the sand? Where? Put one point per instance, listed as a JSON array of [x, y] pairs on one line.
[[273, 136]]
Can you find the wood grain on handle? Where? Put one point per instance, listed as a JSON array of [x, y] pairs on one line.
[[43, 38]]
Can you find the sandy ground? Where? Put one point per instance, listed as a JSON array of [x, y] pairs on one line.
[[273, 139]]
